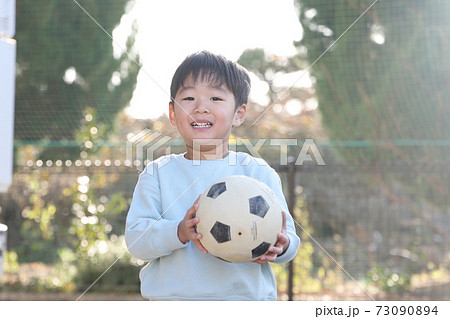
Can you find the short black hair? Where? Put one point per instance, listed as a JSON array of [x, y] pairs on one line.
[[216, 69]]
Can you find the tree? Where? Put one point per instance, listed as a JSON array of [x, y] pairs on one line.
[[386, 79], [382, 79], [65, 64], [273, 118]]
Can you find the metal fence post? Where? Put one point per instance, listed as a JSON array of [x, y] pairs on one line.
[[291, 206], [3, 230]]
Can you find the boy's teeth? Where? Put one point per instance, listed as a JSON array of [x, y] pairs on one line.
[[201, 124]]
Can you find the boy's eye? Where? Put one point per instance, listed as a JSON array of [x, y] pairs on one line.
[[216, 99]]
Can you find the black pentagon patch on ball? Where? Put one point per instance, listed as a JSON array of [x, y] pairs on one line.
[[216, 190], [260, 250], [221, 232], [258, 206]]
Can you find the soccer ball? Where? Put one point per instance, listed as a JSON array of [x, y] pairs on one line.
[[239, 218]]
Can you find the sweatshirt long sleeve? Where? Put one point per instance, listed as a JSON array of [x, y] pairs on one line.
[[166, 189]]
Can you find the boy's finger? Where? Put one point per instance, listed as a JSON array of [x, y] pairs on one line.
[[196, 201], [192, 222], [268, 257], [259, 261], [281, 239], [275, 250], [199, 245], [191, 211]]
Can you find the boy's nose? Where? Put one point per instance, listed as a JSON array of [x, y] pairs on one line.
[[201, 107]]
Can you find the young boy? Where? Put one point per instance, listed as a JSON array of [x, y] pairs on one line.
[[209, 97]]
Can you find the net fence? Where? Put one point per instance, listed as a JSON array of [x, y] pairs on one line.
[[376, 207]]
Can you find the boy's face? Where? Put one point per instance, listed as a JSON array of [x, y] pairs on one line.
[[204, 114]]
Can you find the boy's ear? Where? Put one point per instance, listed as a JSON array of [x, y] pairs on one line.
[[172, 114], [239, 115]]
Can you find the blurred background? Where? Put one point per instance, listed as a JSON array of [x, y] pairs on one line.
[[367, 81]]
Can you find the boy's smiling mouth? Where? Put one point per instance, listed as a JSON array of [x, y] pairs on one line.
[[201, 124]]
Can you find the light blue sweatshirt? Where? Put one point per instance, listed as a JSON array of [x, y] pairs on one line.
[[166, 189]]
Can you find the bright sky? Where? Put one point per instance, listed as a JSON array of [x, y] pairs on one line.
[[168, 31]]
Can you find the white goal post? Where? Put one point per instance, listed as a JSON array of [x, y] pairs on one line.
[[7, 18], [7, 85]]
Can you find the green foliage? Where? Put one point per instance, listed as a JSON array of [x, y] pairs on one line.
[[273, 118], [90, 244], [90, 224], [91, 132], [381, 80], [37, 230], [388, 281], [111, 269], [58, 37], [96, 247], [11, 262], [304, 278], [386, 78], [70, 86], [75, 226], [40, 212], [90, 211]]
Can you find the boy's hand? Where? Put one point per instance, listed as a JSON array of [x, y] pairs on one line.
[[279, 248], [186, 228]]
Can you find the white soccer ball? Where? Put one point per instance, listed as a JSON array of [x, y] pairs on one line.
[[239, 218]]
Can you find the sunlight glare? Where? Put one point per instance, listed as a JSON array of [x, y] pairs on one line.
[[70, 75], [169, 31], [293, 107], [377, 34]]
